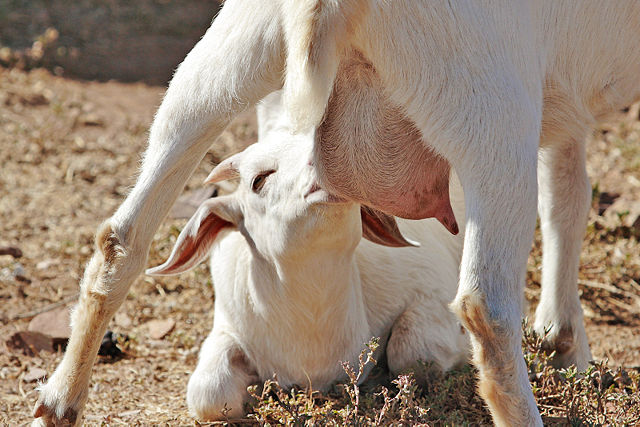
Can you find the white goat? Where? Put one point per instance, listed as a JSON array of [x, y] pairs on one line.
[[297, 291], [490, 86]]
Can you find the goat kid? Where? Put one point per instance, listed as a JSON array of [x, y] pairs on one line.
[[298, 291], [504, 92]]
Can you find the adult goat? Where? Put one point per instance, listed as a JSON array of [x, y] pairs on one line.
[[504, 92]]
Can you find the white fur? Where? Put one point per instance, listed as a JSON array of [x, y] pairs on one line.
[[297, 290], [487, 83]]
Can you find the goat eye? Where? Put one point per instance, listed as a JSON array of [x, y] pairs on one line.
[[259, 180]]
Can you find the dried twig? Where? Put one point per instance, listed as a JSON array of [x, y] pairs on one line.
[[625, 306], [20, 388], [609, 288], [635, 285], [46, 308]]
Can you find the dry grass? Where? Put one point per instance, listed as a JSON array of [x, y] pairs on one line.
[[69, 153], [598, 396]]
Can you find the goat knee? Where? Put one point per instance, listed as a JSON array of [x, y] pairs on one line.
[[218, 387], [113, 265], [497, 355], [212, 397], [569, 343]]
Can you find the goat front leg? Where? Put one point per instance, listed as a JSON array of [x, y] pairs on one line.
[[498, 174], [238, 61], [563, 204]]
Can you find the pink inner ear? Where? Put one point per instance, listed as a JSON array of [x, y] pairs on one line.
[[193, 248], [194, 242], [368, 150]]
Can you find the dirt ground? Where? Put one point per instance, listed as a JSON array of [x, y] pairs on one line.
[[70, 151]]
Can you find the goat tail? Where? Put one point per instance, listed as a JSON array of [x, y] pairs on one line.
[[316, 33]]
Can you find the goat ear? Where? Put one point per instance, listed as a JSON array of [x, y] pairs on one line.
[[198, 235], [381, 228], [227, 169]]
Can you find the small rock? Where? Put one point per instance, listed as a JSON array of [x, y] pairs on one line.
[[160, 328], [35, 99], [30, 342], [54, 323], [5, 274], [80, 142], [88, 107], [618, 256], [605, 200], [18, 270], [109, 345], [633, 180], [158, 344], [91, 119], [623, 212], [45, 264], [20, 274], [34, 374], [123, 320]]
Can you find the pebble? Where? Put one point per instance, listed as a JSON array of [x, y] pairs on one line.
[[54, 323], [34, 374], [160, 328]]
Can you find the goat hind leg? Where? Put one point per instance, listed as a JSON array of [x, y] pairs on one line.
[[238, 61], [426, 332], [563, 204]]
